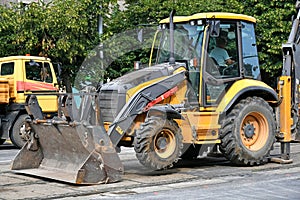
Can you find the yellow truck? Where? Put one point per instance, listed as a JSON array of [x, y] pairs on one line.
[[20, 76]]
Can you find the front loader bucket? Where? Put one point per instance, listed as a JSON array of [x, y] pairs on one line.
[[73, 152]]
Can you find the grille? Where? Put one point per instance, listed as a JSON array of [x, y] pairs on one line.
[[111, 103]]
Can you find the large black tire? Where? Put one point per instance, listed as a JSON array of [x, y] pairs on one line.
[[158, 143], [248, 132], [295, 130], [18, 136]]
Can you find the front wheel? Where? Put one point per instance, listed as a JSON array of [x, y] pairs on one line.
[[18, 135], [248, 132], [158, 143]]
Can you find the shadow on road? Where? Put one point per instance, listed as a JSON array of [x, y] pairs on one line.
[[205, 161], [7, 146], [193, 163]]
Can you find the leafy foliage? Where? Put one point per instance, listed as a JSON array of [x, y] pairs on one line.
[[62, 30], [67, 31], [273, 27]]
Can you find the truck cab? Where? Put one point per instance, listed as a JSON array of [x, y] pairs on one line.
[[21, 76], [196, 39]]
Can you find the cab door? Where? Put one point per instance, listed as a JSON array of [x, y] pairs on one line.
[[40, 80], [240, 47], [222, 63]]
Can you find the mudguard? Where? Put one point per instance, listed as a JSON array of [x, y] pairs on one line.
[[166, 111]]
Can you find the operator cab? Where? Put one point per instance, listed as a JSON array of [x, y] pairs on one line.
[[213, 67]]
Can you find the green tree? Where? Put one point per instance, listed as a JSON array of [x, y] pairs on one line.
[[65, 30], [273, 27]]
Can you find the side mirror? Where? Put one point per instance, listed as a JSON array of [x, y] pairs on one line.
[[58, 70], [214, 30], [140, 35]]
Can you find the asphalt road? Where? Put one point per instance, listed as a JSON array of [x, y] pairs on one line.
[[7, 152], [206, 178]]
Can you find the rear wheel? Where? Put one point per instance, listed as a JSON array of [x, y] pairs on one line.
[[18, 135], [158, 143], [248, 132], [295, 130]]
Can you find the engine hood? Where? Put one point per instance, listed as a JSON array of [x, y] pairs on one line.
[[114, 95], [135, 78]]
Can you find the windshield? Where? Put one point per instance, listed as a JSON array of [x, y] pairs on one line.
[[187, 43]]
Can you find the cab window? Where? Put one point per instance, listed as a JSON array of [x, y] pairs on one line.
[[222, 64], [223, 52], [250, 55], [38, 71], [7, 68]]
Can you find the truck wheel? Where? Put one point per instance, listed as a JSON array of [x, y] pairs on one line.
[[18, 135], [158, 143], [248, 132]]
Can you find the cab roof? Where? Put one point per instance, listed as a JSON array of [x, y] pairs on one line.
[[208, 15], [36, 58]]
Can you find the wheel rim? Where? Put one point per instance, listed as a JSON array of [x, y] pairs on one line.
[[25, 136], [164, 143], [254, 131], [21, 136]]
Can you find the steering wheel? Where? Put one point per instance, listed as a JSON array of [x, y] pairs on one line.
[[229, 67]]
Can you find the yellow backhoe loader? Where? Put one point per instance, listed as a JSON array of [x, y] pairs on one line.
[[187, 102]]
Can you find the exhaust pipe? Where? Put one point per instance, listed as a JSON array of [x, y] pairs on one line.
[[172, 58]]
